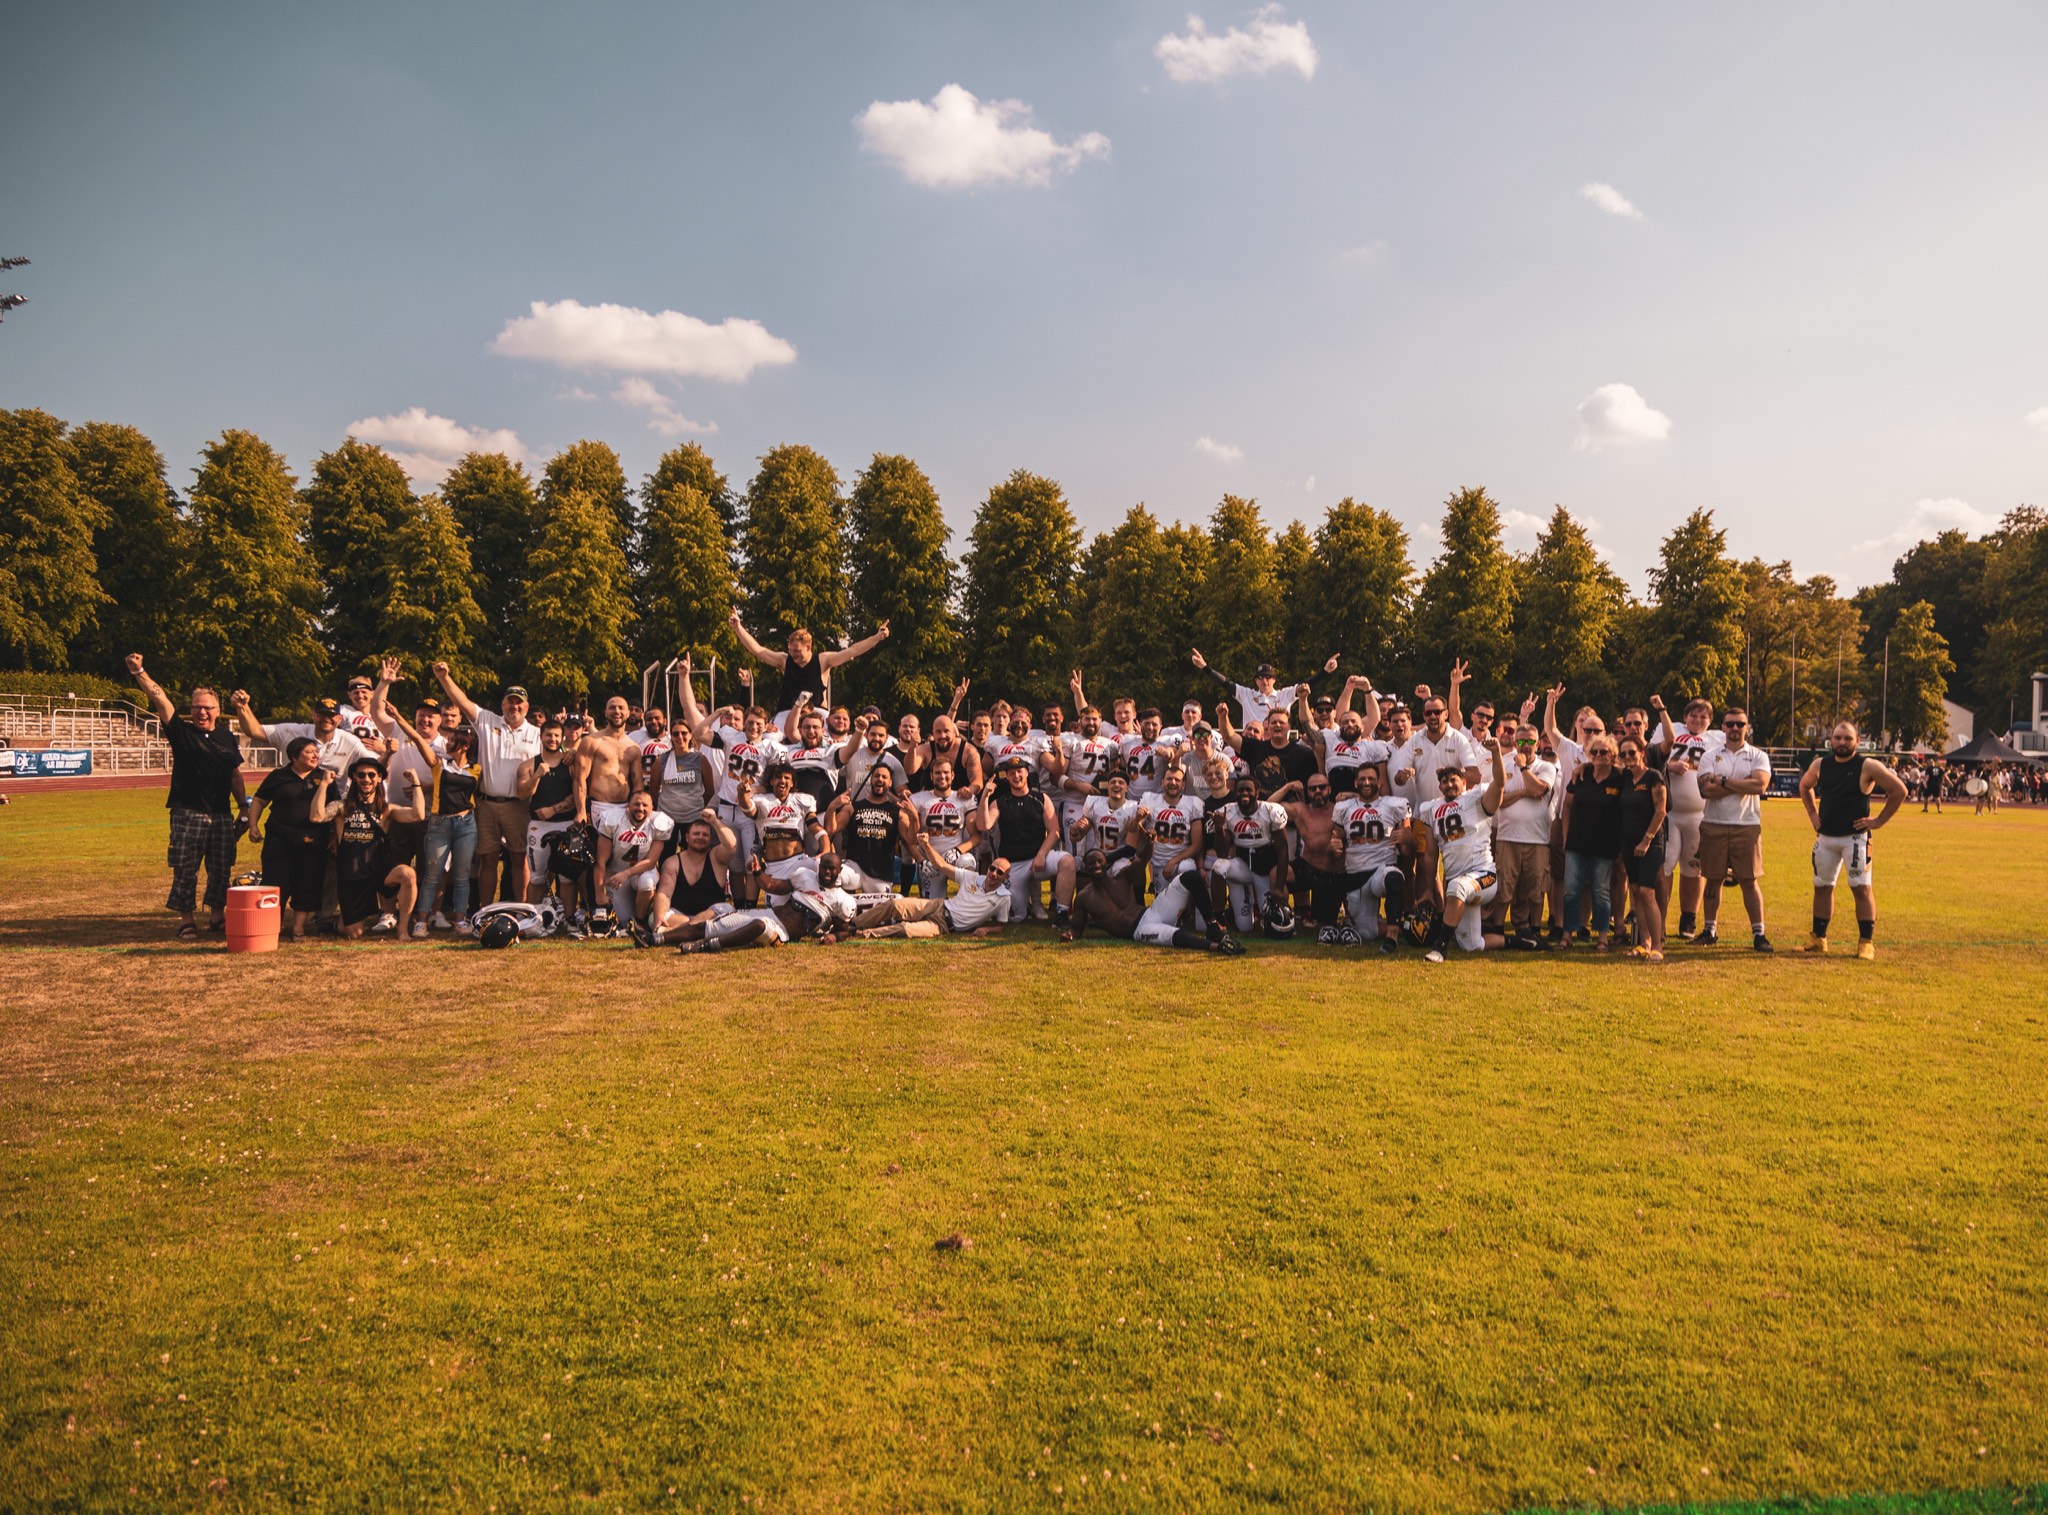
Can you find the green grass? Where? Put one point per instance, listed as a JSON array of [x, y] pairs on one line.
[[400, 1227]]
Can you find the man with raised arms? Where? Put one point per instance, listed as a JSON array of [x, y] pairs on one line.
[[1836, 791], [1264, 695], [1373, 826], [1349, 745], [1462, 837], [802, 668]]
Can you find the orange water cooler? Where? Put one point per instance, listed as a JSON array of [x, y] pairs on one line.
[[254, 914]]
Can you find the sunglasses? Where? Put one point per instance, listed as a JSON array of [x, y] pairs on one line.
[[1734, 725]]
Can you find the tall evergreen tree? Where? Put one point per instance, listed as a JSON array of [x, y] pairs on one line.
[[1294, 555], [494, 504], [896, 551], [1017, 607], [1916, 678], [687, 584], [1571, 603], [1359, 589], [1134, 638], [691, 465], [1466, 609], [430, 613], [578, 607], [139, 546], [794, 547], [252, 598], [357, 503], [1238, 615], [49, 587], [1692, 643], [592, 468]]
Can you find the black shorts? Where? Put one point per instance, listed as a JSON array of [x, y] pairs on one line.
[[1647, 871], [1262, 859], [297, 868], [358, 897]]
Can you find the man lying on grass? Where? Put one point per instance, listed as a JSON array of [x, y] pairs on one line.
[[1109, 895]]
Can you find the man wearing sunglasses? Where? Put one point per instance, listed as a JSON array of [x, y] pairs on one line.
[[1733, 778]]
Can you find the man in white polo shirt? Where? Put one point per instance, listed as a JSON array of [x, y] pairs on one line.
[[505, 743], [1733, 778]]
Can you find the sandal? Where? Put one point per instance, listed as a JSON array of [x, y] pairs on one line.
[[187, 932]]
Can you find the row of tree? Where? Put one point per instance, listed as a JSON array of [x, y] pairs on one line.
[[572, 582]]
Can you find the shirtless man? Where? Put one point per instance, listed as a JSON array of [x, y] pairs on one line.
[[607, 767], [1319, 871]]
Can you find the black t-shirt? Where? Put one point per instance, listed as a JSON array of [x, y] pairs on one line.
[[455, 791], [203, 766], [1638, 805], [1596, 813], [290, 798], [359, 849], [1020, 824], [1276, 767], [871, 839]]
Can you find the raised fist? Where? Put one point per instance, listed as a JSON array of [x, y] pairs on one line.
[[134, 662], [440, 667], [239, 699]]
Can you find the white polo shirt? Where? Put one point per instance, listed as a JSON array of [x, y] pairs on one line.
[[1725, 762], [502, 751]]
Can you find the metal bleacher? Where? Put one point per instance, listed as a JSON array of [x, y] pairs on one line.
[[121, 738]]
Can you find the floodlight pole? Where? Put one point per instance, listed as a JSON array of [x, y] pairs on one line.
[[1793, 719], [1884, 700]]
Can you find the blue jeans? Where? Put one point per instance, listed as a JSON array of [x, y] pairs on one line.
[[451, 847], [1579, 871]]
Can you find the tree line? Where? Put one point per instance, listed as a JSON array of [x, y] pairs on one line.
[[573, 581]]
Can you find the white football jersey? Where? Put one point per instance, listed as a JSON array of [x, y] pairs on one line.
[[1683, 784], [1144, 761], [1176, 828], [1464, 833], [1088, 756], [787, 818], [1108, 824], [634, 841], [743, 759], [1368, 830], [943, 817], [1340, 754], [1261, 828]]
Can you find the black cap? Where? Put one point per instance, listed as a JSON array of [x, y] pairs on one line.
[[1267, 671], [327, 707]]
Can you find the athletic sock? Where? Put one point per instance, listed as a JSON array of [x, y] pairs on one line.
[[1867, 930], [1756, 928], [1820, 926], [1440, 936], [1685, 922]]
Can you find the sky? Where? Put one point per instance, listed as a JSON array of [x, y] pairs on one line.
[[1781, 262]]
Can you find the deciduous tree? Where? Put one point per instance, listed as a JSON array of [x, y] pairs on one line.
[[49, 579], [1916, 679], [1358, 591], [794, 548], [494, 504], [1239, 617], [593, 469], [1692, 639], [139, 545], [896, 550], [1570, 604], [357, 503], [430, 612], [686, 588], [1467, 605], [1017, 607], [578, 607]]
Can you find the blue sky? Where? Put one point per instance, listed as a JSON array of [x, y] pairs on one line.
[[1350, 246]]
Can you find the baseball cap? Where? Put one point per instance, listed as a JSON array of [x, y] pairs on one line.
[[1267, 671], [516, 692], [1325, 702], [428, 702], [327, 707], [1012, 761]]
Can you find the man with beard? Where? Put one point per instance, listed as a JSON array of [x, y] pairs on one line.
[[652, 738], [745, 752], [1252, 858], [694, 881], [1275, 755], [629, 853], [981, 908], [1347, 745], [606, 768], [1020, 820], [786, 822], [1319, 869], [807, 904], [872, 830], [207, 801], [549, 787], [1110, 896], [1019, 739], [1372, 826], [946, 821], [865, 746], [945, 745], [814, 760], [1836, 792], [1144, 754], [803, 669], [1172, 818], [1086, 753]]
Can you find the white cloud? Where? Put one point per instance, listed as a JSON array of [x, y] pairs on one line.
[[1309, 484], [1222, 452], [2038, 419], [577, 392], [1199, 56], [1611, 200], [1614, 415], [1365, 254], [1929, 519], [1521, 528], [662, 415], [426, 447], [625, 340], [957, 141]]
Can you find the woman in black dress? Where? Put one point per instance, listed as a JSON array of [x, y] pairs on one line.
[[295, 800], [1642, 845]]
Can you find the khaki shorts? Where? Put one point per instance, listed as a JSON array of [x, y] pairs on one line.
[[1726, 849], [501, 827]]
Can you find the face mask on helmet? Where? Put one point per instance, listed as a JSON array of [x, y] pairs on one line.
[[1277, 920], [498, 931]]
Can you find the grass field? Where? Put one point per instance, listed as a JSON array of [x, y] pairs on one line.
[[397, 1227]]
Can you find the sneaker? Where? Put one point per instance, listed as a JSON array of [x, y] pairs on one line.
[[642, 937], [1347, 936], [1708, 937], [463, 927], [384, 924], [438, 921], [1432, 956], [1229, 946], [1818, 945], [1866, 951], [1761, 943], [1328, 937], [1387, 945], [419, 931], [1037, 912]]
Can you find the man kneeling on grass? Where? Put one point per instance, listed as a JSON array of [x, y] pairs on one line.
[[1109, 894]]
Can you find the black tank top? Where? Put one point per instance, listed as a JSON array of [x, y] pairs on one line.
[[693, 899], [801, 678], [871, 840], [555, 785], [1020, 825], [1842, 800], [356, 855]]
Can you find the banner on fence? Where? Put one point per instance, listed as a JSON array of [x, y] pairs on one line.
[[51, 763]]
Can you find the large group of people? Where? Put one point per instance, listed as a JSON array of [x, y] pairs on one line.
[[1322, 806]]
